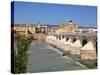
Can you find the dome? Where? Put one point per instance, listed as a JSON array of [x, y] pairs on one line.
[[70, 21]]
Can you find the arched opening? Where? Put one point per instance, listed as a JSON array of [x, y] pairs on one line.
[[66, 39], [84, 41], [96, 47], [62, 36], [74, 40], [59, 37]]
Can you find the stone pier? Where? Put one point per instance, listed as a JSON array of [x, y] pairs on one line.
[[88, 51], [68, 44], [82, 44], [76, 47]]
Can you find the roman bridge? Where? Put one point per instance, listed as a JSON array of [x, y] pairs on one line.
[[83, 44]]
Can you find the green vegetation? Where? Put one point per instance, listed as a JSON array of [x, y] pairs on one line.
[[20, 56]]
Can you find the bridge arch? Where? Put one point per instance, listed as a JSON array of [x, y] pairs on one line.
[[84, 41], [67, 39], [62, 36], [59, 37], [56, 36], [96, 46], [74, 40]]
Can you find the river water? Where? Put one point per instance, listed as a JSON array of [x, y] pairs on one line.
[[44, 58]]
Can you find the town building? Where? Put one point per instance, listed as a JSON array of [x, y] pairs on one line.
[[69, 27], [46, 28]]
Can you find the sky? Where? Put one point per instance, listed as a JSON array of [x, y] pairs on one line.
[[54, 14]]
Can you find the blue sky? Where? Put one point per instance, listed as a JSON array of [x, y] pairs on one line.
[[33, 13]]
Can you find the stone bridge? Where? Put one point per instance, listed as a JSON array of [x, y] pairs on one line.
[[83, 44], [39, 36]]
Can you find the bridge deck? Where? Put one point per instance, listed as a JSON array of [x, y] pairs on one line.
[[44, 58], [75, 34]]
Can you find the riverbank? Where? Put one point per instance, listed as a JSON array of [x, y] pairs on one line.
[[21, 45]]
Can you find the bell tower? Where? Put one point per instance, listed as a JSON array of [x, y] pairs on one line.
[[62, 24]]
